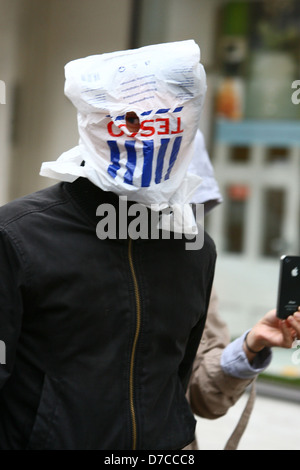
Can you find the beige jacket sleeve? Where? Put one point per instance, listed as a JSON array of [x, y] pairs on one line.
[[211, 392]]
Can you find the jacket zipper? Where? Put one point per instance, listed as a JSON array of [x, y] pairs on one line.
[[134, 345]]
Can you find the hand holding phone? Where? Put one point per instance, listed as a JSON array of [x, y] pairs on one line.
[[289, 286]]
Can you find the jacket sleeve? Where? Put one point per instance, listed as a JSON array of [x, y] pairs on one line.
[[11, 305], [211, 392]]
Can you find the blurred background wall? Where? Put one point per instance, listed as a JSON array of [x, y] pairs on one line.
[[250, 50], [41, 37]]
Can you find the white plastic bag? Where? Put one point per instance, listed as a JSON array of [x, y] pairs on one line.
[[165, 86]]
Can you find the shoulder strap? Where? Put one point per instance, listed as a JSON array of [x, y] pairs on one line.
[[235, 437]]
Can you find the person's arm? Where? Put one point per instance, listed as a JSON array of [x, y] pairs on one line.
[[11, 305], [251, 353], [238, 361], [271, 331], [222, 370]]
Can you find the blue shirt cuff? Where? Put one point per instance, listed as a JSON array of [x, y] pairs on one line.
[[234, 361]]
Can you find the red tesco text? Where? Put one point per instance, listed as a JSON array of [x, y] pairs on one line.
[[148, 128]]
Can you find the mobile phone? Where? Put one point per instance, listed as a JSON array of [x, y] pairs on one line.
[[289, 286]]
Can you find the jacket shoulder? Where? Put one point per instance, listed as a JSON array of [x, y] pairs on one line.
[[38, 201]]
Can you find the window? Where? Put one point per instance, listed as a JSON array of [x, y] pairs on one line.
[[240, 155], [274, 207], [235, 218]]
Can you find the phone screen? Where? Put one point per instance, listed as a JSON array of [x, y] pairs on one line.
[[289, 286]]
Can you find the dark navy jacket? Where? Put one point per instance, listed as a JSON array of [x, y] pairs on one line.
[[100, 335]]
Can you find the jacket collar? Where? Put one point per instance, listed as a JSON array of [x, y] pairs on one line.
[[90, 197]]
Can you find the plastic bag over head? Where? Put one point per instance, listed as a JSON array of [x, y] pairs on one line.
[[163, 86]]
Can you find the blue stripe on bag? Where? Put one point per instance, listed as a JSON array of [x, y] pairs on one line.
[[162, 111], [148, 159], [160, 160], [174, 154], [177, 110], [114, 158], [131, 162], [146, 113]]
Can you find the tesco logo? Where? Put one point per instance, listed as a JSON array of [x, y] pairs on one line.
[[148, 127]]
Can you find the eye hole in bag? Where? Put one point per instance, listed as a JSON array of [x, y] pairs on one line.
[[132, 122]]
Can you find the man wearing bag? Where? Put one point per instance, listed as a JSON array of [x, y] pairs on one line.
[[101, 329]]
